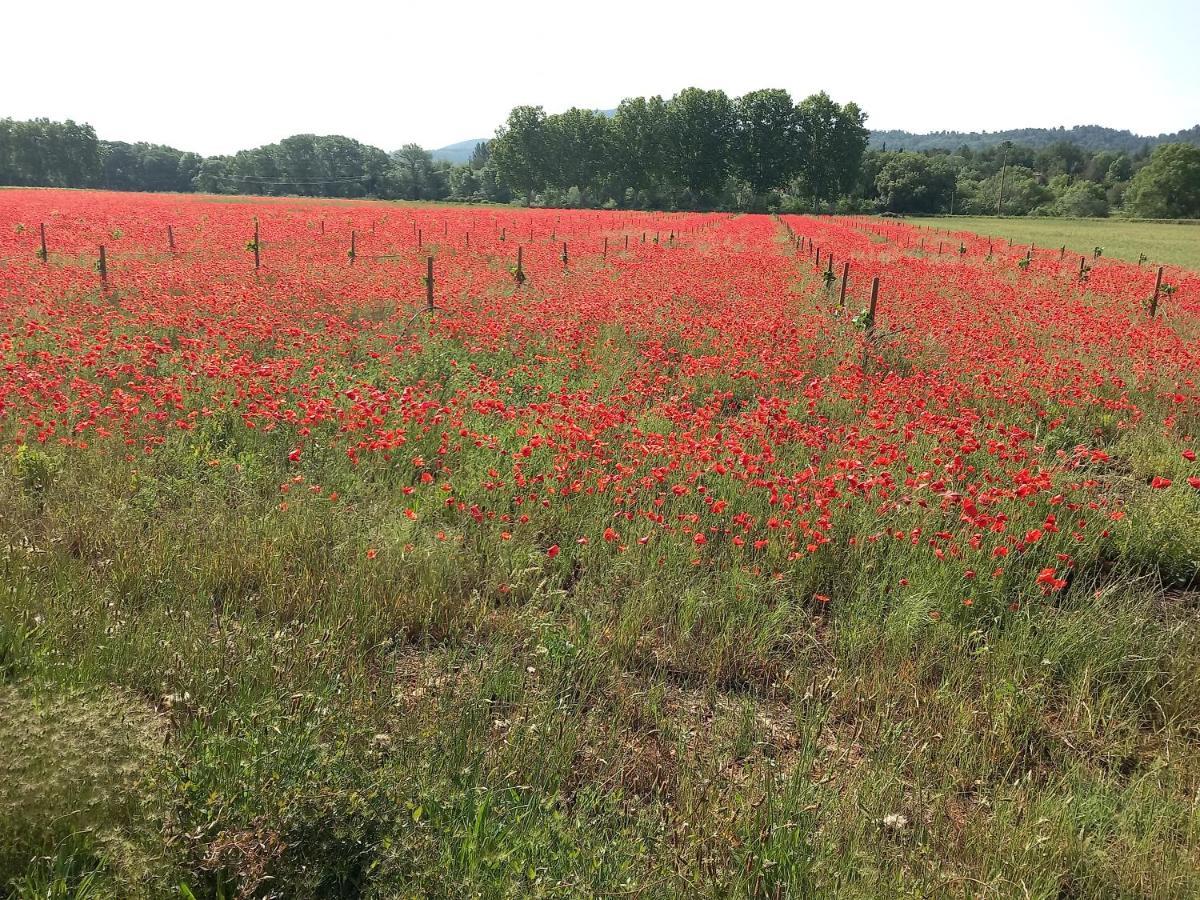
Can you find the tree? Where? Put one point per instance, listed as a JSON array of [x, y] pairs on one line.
[[213, 176], [1023, 193], [577, 151], [1168, 187], [520, 148], [848, 144], [915, 183], [414, 172], [1084, 199], [638, 143], [51, 154], [699, 134], [833, 139], [480, 155], [766, 139]]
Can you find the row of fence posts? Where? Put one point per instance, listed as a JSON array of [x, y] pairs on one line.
[[799, 243], [519, 272]]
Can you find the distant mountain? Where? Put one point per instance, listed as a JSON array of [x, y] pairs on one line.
[[459, 153], [1089, 137]]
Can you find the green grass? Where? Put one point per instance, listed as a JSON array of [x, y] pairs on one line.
[[1165, 243]]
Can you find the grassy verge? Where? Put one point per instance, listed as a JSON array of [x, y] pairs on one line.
[[1162, 242]]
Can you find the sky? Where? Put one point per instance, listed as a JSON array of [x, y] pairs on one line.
[[217, 76]]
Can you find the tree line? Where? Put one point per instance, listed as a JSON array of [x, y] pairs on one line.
[[1061, 179], [698, 149]]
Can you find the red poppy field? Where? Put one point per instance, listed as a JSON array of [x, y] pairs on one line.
[[651, 559]]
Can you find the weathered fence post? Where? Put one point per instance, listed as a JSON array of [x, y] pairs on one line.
[[845, 278], [519, 275], [604, 255], [564, 255], [353, 247], [1157, 289], [170, 239], [874, 302], [43, 253], [257, 258], [103, 265], [429, 283]]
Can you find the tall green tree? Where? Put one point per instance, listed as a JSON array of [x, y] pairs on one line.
[[577, 150], [520, 150], [639, 143], [414, 172], [766, 139], [699, 141], [833, 139]]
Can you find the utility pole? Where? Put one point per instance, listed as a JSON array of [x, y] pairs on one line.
[[1003, 173]]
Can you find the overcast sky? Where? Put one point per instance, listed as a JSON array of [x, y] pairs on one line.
[[215, 76]]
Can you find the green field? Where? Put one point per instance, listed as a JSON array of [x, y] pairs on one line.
[[1170, 243]]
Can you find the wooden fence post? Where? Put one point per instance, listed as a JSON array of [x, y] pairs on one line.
[[429, 283], [874, 302], [43, 253], [1082, 261], [257, 258], [520, 273], [845, 277], [103, 265], [353, 248], [604, 255], [170, 239], [1157, 288], [564, 255]]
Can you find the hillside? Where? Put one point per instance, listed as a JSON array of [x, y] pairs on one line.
[[1089, 137], [459, 153]]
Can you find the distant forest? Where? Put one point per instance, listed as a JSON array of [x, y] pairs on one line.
[[1087, 137], [697, 150]]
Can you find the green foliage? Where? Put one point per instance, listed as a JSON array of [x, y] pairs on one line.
[[1082, 199], [520, 150], [768, 134], [914, 183], [1016, 191], [700, 133], [42, 153], [833, 140], [1169, 186]]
